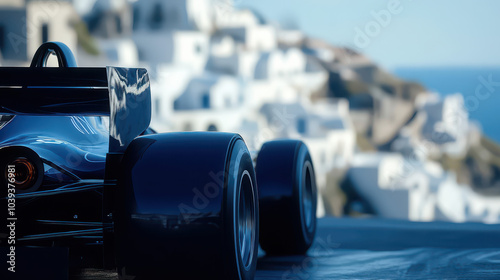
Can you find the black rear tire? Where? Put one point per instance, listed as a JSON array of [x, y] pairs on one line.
[[187, 208], [287, 197]]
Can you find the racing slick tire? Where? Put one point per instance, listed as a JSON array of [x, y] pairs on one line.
[[187, 208], [287, 197]]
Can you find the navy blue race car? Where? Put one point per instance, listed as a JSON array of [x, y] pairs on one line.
[[82, 170]]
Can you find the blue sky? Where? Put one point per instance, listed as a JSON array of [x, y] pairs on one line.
[[418, 33]]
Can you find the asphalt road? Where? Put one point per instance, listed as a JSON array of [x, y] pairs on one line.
[[385, 249]]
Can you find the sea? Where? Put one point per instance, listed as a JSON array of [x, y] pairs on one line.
[[480, 86]]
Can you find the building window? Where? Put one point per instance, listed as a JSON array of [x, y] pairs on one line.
[[157, 17], [212, 127], [118, 22], [136, 16], [205, 101], [177, 104], [2, 38], [188, 127], [45, 33], [172, 17], [112, 54], [301, 125], [157, 106]]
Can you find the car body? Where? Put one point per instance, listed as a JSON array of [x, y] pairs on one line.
[[83, 170]]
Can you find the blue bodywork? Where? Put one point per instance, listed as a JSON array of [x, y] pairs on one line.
[[74, 124], [149, 204], [68, 145]]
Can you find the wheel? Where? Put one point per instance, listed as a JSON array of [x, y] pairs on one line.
[[187, 208], [287, 197]]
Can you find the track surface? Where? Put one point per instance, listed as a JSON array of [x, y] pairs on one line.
[[383, 249], [389, 249]]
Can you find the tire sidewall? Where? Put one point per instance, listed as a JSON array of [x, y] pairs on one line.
[[239, 163], [303, 163]]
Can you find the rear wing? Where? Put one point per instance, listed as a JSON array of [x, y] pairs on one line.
[[123, 94]]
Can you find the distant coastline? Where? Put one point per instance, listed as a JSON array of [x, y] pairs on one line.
[[447, 80]]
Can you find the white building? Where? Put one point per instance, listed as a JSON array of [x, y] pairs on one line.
[[110, 24], [226, 58], [174, 15], [169, 82], [182, 48], [210, 91], [247, 27], [227, 16], [294, 67], [25, 25], [446, 124], [113, 52], [392, 186], [253, 38], [205, 102]]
